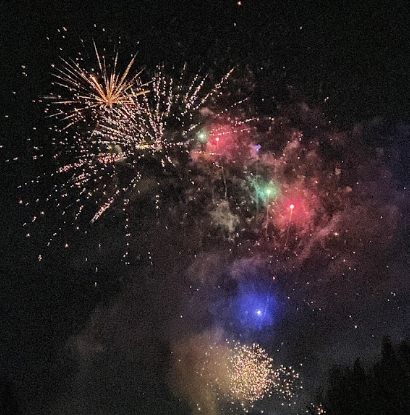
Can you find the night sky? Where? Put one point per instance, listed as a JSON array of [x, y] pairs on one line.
[[327, 88]]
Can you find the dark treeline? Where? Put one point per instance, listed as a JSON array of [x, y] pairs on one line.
[[379, 389]]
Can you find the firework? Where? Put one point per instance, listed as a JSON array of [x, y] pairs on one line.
[[224, 375], [286, 384], [167, 118], [93, 92], [100, 166], [242, 374], [251, 373], [263, 186], [224, 140]]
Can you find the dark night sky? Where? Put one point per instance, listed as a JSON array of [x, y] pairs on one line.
[[52, 317]]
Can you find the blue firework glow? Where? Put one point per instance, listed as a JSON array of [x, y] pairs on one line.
[[255, 309], [247, 306]]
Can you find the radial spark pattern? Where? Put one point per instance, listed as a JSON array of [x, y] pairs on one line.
[[93, 92]]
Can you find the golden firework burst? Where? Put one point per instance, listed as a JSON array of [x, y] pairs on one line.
[[94, 91]]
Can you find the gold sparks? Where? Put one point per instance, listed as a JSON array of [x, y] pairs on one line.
[[243, 374], [251, 373], [95, 91]]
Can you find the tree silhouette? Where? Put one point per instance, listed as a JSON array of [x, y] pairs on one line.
[[384, 388]]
